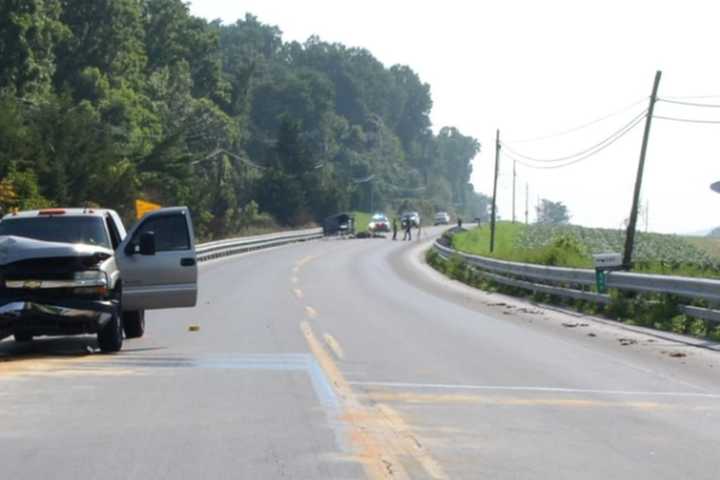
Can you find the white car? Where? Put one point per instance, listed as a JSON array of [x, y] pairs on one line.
[[442, 218], [379, 223]]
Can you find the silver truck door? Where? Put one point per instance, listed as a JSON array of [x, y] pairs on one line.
[[157, 262]]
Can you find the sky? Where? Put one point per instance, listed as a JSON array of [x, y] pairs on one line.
[[533, 69]]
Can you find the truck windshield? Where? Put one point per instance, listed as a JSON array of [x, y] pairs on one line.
[[88, 230]]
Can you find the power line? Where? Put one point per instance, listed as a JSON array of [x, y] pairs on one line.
[[686, 120], [588, 151], [690, 104], [584, 125], [689, 97], [621, 133]]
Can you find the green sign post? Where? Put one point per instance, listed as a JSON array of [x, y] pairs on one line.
[[601, 281]]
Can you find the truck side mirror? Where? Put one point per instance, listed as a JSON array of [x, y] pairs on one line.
[[147, 243]]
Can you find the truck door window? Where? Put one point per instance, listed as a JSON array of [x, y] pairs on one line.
[[114, 235], [171, 232]]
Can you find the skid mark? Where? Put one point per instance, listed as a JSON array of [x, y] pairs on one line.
[[379, 436], [44, 366]]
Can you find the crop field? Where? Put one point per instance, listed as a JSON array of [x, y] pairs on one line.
[[573, 246]]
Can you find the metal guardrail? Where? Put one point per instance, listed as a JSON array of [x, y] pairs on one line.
[[234, 246], [559, 281]]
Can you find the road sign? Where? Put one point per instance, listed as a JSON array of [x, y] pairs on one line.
[[607, 260], [142, 207]]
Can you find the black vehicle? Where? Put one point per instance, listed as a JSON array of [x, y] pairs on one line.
[[339, 224]]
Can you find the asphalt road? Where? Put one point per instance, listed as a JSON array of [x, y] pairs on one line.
[[351, 359]]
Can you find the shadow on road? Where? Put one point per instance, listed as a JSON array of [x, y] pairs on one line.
[[47, 348], [58, 347]]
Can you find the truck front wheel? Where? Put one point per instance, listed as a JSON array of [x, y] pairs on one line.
[[134, 324], [110, 336]]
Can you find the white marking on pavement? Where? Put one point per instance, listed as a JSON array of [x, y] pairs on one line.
[[512, 388]]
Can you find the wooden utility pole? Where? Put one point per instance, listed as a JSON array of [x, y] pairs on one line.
[[630, 235], [514, 182], [494, 199]]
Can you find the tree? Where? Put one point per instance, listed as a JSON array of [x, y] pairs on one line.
[[553, 213], [29, 32]]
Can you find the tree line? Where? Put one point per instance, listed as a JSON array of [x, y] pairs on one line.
[[105, 101]]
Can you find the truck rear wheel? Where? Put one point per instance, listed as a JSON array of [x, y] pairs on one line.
[[134, 324], [110, 336]]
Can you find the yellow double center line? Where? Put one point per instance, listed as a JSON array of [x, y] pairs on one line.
[[378, 433]]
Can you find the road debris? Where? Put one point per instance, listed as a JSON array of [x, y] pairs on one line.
[[627, 341], [194, 328]]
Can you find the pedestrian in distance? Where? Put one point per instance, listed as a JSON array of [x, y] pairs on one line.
[[459, 223], [395, 228], [408, 230]]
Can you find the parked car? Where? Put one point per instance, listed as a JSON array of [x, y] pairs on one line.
[[442, 218], [412, 217], [379, 223], [70, 271]]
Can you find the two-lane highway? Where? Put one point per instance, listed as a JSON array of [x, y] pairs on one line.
[[351, 359]]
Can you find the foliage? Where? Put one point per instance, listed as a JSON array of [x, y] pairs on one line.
[[573, 246], [552, 213], [105, 101]]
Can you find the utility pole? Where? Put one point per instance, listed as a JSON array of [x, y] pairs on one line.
[[630, 234], [514, 182], [494, 199], [527, 202]]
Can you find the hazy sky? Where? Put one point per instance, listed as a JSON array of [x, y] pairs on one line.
[[536, 68]]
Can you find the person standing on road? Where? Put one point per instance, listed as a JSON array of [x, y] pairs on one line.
[[408, 229], [395, 228], [459, 223]]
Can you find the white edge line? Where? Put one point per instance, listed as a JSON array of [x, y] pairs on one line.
[[441, 386]]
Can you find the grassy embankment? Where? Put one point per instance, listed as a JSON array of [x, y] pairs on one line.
[[518, 242], [573, 246]]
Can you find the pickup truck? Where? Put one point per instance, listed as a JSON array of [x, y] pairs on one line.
[[72, 271]]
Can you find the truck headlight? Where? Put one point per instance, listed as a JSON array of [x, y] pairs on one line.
[[90, 283]]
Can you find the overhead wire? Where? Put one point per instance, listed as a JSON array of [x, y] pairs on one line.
[[588, 151], [617, 136], [690, 97], [686, 120], [690, 104], [582, 126]]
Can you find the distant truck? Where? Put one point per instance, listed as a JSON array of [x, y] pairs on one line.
[[71, 271]]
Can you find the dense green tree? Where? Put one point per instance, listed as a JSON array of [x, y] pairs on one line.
[[554, 213], [105, 101], [29, 32]]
